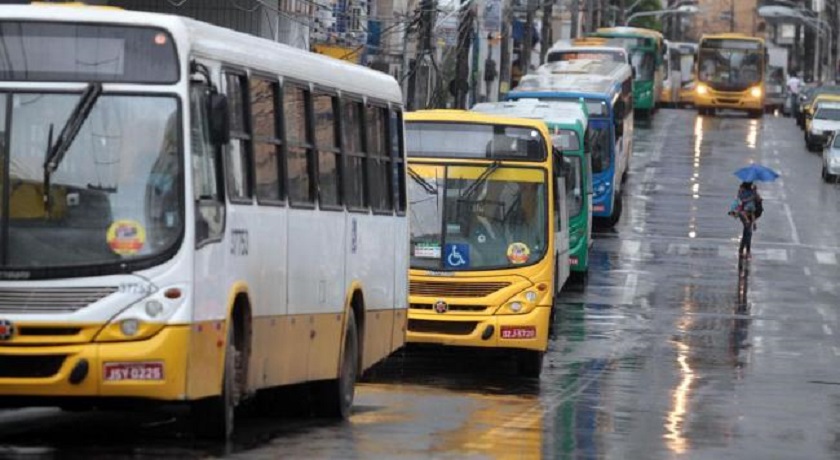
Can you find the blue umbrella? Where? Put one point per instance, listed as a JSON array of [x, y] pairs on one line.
[[756, 172]]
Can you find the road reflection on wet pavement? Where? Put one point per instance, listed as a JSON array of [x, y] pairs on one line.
[[670, 349]]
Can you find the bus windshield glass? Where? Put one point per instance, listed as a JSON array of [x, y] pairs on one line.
[[474, 141], [112, 197], [730, 65], [460, 221], [59, 52], [644, 63], [600, 55], [826, 113]]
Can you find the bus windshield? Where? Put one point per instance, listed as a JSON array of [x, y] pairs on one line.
[[460, 221], [826, 113], [644, 63], [113, 196], [475, 141], [730, 65]]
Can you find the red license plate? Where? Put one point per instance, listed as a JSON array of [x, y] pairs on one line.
[[573, 260], [598, 208], [519, 332], [115, 372]]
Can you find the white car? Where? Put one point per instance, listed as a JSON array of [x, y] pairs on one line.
[[820, 128], [831, 159]]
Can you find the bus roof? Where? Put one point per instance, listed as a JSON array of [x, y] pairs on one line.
[[195, 38], [465, 116], [629, 31], [617, 71], [578, 84], [731, 36], [559, 112]]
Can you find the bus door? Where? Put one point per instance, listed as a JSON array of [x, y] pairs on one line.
[[561, 221]]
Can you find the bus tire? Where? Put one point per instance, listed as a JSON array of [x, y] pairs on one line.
[[618, 206], [334, 398], [213, 417], [529, 363]]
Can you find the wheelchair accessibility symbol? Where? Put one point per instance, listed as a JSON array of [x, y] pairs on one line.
[[457, 255]]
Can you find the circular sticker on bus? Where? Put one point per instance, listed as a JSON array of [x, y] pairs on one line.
[[518, 253], [126, 237]]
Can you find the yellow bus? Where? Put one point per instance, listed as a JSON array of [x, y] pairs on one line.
[[489, 232], [730, 74]]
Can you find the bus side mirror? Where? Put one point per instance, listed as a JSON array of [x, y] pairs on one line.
[[219, 114]]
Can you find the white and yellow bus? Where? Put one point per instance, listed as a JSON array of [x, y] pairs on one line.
[[489, 232], [191, 214]]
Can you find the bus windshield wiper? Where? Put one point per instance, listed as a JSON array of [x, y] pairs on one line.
[[55, 152], [469, 191], [421, 181]]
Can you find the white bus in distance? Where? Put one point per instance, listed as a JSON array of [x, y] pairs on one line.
[[217, 215]]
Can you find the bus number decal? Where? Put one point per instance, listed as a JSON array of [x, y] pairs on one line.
[[239, 242]]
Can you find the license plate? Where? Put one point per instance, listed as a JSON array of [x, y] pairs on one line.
[[598, 208], [115, 372], [519, 332], [573, 260]]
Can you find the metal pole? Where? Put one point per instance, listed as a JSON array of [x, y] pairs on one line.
[[547, 39], [528, 41], [504, 57], [817, 42], [732, 15], [575, 18]]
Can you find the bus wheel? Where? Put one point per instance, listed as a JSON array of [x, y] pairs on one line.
[[334, 398], [616, 211], [529, 363], [214, 417]]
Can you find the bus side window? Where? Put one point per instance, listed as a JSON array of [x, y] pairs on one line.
[[398, 161], [207, 177], [239, 149], [559, 187]]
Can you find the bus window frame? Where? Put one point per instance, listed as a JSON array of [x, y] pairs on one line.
[[219, 172], [337, 149], [307, 144], [384, 108], [349, 98], [239, 136], [278, 141]]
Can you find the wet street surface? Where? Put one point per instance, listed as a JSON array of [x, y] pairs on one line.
[[668, 350]]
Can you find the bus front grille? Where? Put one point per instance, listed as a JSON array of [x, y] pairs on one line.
[[441, 327], [30, 366], [455, 289], [51, 300], [453, 308]]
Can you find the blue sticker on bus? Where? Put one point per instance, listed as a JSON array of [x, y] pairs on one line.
[[457, 255]]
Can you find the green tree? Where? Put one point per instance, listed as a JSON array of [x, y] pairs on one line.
[[648, 22]]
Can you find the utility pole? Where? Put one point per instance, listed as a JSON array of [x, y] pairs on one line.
[[528, 41], [575, 17], [732, 15], [546, 35], [504, 52], [621, 7], [460, 86]]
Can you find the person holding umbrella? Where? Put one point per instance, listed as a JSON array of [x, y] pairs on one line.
[[748, 205]]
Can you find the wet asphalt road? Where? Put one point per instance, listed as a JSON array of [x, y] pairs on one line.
[[667, 351]]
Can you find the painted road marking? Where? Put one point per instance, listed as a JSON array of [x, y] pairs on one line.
[[776, 255], [807, 271], [793, 233], [826, 258], [630, 247], [827, 329], [630, 286], [678, 248]]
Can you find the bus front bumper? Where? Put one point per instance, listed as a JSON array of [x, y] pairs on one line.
[[488, 331], [734, 101], [154, 368]]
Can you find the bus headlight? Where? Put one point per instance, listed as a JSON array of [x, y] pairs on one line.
[[143, 318], [525, 301], [755, 92], [702, 89]]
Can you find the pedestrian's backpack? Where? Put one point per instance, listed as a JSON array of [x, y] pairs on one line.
[[759, 207]]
